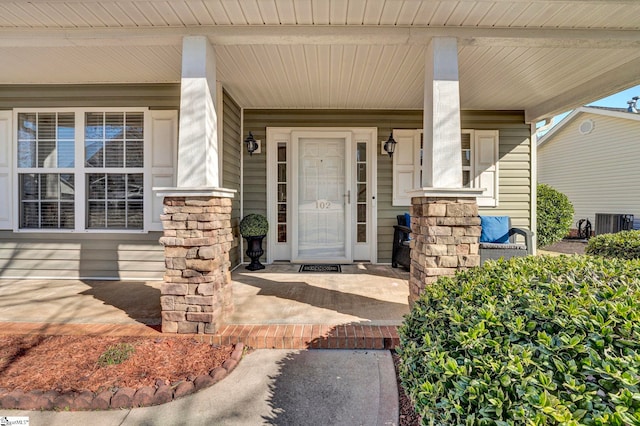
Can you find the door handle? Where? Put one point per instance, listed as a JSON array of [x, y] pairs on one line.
[[348, 196]]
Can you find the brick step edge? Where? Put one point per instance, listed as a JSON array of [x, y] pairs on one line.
[[144, 396], [307, 336]]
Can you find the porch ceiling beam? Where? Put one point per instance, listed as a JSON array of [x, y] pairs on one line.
[[320, 35], [605, 84]]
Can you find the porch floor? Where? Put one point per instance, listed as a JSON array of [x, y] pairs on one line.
[[277, 307]]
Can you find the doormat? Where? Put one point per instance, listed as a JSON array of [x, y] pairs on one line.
[[320, 268]]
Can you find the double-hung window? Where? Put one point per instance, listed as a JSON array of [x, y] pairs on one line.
[[81, 170]]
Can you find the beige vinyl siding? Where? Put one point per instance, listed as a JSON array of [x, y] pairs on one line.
[[231, 139], [515, 158], [599, 171], [154, 96], [86, 256]]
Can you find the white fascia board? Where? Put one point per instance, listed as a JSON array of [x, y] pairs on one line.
[[609, 113], [585, 110]]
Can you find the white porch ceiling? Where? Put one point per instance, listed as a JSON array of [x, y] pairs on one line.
[[542, 56]]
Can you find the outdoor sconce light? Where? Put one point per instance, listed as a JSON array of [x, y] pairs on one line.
[[251, 143], [390, 145]]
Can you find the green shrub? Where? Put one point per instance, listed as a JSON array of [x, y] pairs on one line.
[[254, 225], [527, 341], [116, 354], [555, 215], [623, 245]]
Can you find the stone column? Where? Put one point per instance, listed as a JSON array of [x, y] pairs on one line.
[[196, 294], [444, 239]]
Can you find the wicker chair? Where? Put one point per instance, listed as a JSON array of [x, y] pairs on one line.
[[401, 254], [509, 249]]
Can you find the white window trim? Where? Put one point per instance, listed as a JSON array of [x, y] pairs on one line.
[[81, 171]]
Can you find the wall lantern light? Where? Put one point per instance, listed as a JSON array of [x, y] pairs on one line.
[[251, 143], [390, 145]]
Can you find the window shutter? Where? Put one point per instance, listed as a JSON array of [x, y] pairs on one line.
[[164, 144], [406, 165], [485, 153], [6, 186]]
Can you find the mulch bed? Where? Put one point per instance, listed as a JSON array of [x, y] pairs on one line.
[[408, 415], [63, 372]]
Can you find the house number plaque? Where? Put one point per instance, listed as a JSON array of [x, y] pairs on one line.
[[323, 204]]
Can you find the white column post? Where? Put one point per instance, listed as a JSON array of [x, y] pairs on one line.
[[198, 165], [444, 216], [442, 160]]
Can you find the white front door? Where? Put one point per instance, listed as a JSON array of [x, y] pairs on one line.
[[321, 194], [321, 197]]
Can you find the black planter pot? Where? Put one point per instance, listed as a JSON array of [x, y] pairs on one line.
[[254, 251]]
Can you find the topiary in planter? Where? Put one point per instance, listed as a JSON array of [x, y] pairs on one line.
[[622, 245], [528, 341], [254, 225], [555, 215]]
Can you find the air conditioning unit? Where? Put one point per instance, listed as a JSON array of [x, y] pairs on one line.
[[608, 223]]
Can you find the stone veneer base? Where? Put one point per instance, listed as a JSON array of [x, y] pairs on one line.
[[445, 234], [196, 293]]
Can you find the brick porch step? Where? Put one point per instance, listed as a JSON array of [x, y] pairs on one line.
[[309, 336], [274, 336]]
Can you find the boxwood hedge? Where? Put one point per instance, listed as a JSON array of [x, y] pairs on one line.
[[623, 245], [527, 341]]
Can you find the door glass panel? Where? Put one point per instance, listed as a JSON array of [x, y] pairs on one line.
[[282, 172], [361, 182], [282, 153], [282, 192], [282, 213], [321, 200], [362, 213], [361, 153], [362, 192], [362, 232], [362, 172], [282, 233]]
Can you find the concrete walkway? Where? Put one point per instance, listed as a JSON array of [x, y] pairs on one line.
[[269, 387]]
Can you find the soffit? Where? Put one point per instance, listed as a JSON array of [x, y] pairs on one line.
[[540, 56], [612, 14]]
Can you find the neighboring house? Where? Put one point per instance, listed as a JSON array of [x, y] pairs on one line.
[[592, 157], [103, 101]]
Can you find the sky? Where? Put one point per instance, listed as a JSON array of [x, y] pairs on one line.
[[619, 100]]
